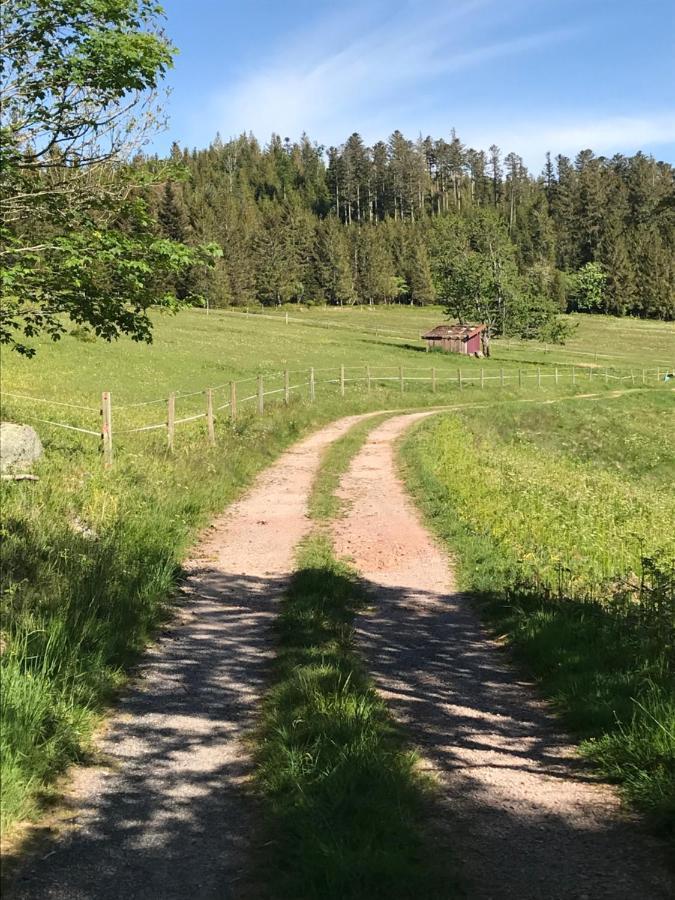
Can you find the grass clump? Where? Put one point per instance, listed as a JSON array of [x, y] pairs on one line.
[[90, 558], [574, 562], [347, 800]]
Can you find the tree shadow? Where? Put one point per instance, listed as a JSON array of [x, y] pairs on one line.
[[172, 813], [504, 763]]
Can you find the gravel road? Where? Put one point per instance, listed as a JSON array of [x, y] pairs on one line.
[[525, 816], [169, 813]]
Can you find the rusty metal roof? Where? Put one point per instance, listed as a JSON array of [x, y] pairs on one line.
[[454, 332]]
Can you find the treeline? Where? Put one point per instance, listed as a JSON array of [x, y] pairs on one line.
[[421, 222]]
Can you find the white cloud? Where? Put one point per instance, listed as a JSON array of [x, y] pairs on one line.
[[378, 60], [375, 68]]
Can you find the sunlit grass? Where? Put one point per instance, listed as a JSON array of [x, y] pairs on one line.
[[551, 514], [76, 610]]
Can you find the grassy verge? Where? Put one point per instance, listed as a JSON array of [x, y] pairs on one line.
[[90, 558], [573, 561], [347, 801]]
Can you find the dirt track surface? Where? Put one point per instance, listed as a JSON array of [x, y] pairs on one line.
[[523, 813], [168, 817]]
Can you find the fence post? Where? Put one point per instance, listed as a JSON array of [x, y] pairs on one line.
[[106, 429], [556, 375], [433, 380], [482, 377], [368, 377], [400, 376], [209, 417], [520, 378], [287, 318], [501, 378], [311, 385], [574, 375], [643, 377], [632, 376], [459, 378], [233, 400], [171, 421], [606, 375], [261, 396], [538, 377], [287, 388], [342, 381]]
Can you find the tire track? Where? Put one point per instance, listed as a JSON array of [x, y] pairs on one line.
[[524, 813], [168, 815]]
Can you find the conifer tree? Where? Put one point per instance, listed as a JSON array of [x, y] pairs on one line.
[[172, 216], [374, 267], [332, 265], [292, 219]]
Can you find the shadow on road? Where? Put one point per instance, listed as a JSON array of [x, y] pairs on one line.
[[170, 812]]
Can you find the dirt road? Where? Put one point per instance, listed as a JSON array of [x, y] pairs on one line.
[[526, 818], [169, 815]]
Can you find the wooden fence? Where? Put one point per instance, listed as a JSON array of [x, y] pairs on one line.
[[253, 393]]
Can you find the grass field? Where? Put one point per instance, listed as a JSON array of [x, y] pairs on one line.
[[194, 351], [561, 521], [90, 557]]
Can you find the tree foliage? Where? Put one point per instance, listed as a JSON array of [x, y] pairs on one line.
[[80, 80], [94, 230], [588, 288], [373, 217]]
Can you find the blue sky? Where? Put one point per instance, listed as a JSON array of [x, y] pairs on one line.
[[529, 76]]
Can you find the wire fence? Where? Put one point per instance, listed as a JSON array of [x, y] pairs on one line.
[[256, 392]]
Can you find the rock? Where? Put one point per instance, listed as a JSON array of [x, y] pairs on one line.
[[20, 446]]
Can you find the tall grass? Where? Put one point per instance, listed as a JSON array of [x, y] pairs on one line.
[[90, 558], [574, 562]]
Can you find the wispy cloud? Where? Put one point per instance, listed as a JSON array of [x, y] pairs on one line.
[[383, 64], [378, 67], [603, 134]]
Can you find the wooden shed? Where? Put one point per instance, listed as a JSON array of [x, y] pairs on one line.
[[464, 339]]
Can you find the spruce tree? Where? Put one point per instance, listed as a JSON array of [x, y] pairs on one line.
[[172, 216], [277, 211]]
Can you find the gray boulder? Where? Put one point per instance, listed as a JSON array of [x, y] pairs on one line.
[[19, 447]]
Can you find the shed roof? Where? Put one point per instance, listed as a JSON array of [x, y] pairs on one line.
[[455, 332]]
